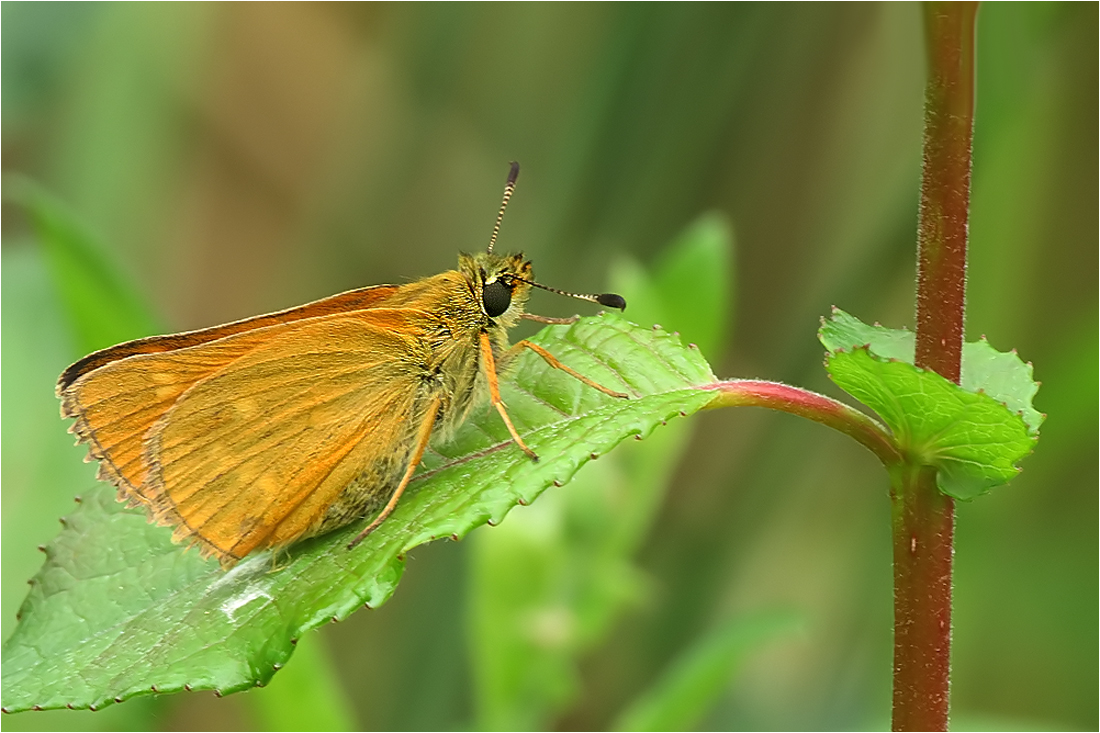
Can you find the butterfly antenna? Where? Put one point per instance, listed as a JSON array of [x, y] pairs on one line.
[[509, 187], [608, 300]]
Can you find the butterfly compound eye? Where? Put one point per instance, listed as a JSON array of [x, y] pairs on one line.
[[496, 297]]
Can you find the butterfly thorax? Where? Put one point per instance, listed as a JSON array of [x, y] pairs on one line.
[[460, 314]]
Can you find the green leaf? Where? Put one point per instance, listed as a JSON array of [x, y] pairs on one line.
[[974, 433], [1004, 377], [548, 586], [843, 331], [1001, 375], [40, 463], [119, 611], [102, 306], [695, 681]]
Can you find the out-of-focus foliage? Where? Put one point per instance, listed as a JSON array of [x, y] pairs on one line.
[[682, 696], [101, 306], [245, 157]]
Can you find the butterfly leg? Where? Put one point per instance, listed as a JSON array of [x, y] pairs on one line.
[[276, 566], [552, 361], [422, 438], [494, 393]]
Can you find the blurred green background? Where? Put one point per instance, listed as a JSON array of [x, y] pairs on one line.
[[241, 158]]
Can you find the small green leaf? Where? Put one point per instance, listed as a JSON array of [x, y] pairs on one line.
[[1001, 375], [843, 331], [973, 439], [1004, 377], [974, 433], [119, 611]]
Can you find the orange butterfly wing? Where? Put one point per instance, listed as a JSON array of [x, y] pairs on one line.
[[116, 405], [352, 300], [246, 442]]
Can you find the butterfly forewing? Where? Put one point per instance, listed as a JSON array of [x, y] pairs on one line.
[[257, 453], [340, 304]]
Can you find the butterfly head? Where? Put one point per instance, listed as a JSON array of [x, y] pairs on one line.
[[500, 283]]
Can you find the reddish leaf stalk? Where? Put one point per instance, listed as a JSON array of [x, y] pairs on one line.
[[812, 406], [924, 518]]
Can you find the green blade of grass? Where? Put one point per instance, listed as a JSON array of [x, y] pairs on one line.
[[697, 679]]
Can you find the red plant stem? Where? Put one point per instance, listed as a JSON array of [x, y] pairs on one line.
[[811, 405], [923, 517], [945, 189]]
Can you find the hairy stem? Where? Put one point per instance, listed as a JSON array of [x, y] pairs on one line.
[[945, 188], [924, 518]]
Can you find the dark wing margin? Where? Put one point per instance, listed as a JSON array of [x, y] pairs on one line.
[[352, 300]]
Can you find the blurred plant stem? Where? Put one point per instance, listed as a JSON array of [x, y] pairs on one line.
[[924, 518]]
